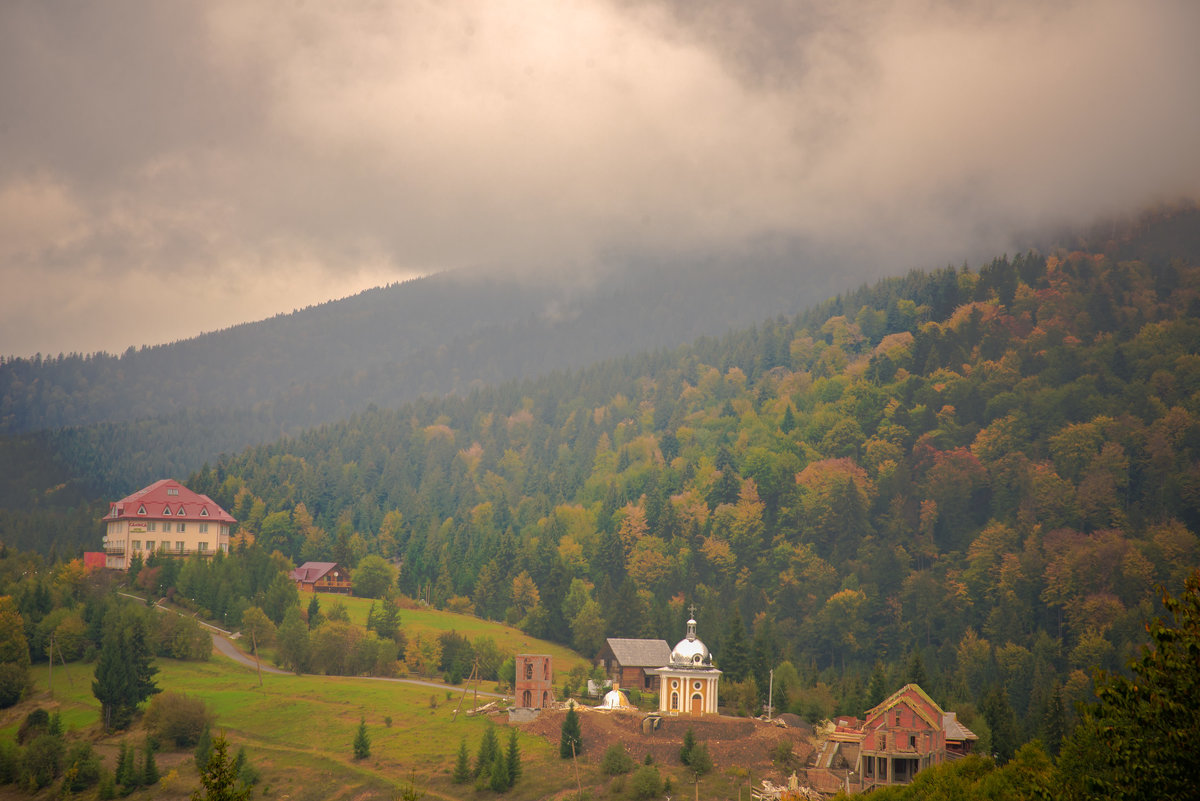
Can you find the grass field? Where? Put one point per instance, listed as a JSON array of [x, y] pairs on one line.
[[433, 621], [299, 730]]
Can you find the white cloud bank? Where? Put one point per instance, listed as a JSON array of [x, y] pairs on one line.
[[172, 168]]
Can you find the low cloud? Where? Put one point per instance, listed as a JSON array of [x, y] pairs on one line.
[[228, 161]]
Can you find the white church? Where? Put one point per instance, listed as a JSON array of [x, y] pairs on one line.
[[688, 683]]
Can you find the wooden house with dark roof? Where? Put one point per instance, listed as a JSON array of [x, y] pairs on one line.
[[632, 663], [323, 577]]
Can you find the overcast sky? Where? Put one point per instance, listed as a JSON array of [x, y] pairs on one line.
[[168, 168]]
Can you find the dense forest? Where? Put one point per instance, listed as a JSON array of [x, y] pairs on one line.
[[974, 477]]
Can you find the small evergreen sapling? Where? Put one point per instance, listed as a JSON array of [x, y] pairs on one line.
[[571, 742], [362, 742], [513, 758], [462, 768]]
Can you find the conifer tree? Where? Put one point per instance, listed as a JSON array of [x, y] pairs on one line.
[[1054, 722], [571, 742], [689, 744], [150, 767], [513, 758], [204, 748], [362, 742], [218, 778], [498, 780], [489, 749], [125, 766], [462, 768]]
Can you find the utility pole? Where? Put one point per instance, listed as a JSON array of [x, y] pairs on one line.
[[771, 694]]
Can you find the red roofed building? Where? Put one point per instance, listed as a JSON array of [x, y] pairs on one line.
[[165, 518]]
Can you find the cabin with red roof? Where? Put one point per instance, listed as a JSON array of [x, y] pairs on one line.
[[166, 519], [323, 577]]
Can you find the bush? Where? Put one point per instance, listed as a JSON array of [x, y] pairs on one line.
[[616, 760], [14, 679], [178, 718], [35, 723], [646, 783], [42, 761], [83, 768], [10, 761]]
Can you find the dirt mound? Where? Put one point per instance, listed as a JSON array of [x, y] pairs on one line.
[[731, 742]]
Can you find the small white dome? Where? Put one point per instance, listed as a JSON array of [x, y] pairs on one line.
[[691, 650]]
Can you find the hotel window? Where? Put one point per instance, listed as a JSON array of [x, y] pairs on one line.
[[137, 545], [152, 526], [204, 528], [182, 512], [181, 527], [149, 545], [204, 511], [172, 491], [202, 547], [167, 511], [141, 510], [179, 545]]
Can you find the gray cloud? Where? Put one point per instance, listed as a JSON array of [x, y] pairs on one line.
[[170, 168]]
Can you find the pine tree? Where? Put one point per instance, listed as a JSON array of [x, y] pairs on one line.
[[1054, 722], [571, 742], [513, 758], [462, 768], [218, 777], [362, 742], [877, 689], [314, 612], [124, 675], [689, 744], [489, 749], [735, 660], [916, 670], [204, 748], [150, 768], [498, 780], [125, 767]]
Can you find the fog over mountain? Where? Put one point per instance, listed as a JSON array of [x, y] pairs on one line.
[[175, 168]]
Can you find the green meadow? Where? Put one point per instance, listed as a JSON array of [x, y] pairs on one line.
[[299, 730], [432, 621]]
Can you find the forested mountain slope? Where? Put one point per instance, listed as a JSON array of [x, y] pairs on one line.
[[434, 335], [988, 469]]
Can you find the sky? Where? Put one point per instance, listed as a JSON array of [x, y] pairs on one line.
[[173, 168]]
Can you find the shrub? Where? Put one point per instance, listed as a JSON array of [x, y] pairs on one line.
[[616, 760], [83, 767], [42, 761], [10, 761], [178, 718], [646, 783], [35, 723], [781, 754], [14, 679]]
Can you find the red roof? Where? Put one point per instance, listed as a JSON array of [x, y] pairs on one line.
[[309, 572], [168, 500]]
